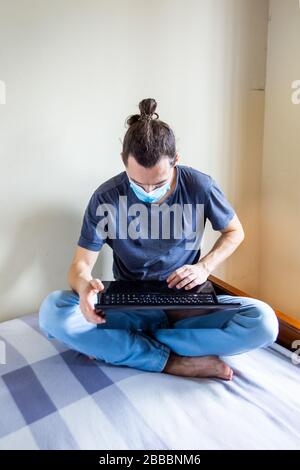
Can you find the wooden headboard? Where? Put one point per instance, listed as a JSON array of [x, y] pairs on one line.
[[289, 329]]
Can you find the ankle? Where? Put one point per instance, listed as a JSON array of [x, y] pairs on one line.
[[172, 363]]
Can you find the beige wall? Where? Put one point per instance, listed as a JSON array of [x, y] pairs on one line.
[[74, 69], [280, 216]]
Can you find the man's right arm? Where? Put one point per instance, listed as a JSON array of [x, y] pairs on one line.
[[82, 282]]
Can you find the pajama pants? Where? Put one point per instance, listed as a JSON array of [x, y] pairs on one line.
[[144, 339]]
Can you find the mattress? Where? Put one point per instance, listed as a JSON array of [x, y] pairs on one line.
[[52, 397]]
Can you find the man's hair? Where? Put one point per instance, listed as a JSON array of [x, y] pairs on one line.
[[148, 139]]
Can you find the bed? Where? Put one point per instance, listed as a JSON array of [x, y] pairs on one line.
[[52, 397]]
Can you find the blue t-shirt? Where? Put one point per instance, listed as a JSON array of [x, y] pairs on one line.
[[139, 253]]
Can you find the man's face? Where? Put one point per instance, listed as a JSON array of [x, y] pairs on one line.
[[150, 178]]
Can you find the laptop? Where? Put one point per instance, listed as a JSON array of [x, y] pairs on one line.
[[131, 295]]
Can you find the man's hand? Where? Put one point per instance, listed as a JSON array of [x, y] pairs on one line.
[[87, 298], [188, 276]]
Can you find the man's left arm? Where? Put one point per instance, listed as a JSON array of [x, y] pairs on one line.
[[191, 275]]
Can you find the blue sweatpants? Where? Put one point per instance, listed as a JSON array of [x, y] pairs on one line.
[[143, 339]]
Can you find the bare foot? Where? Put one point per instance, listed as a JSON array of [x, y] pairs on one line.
[[205, 366]]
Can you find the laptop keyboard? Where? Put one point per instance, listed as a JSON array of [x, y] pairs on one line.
[[156, 299]]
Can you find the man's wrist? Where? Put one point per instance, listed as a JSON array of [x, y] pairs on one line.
[[206, 264], [81, 285]]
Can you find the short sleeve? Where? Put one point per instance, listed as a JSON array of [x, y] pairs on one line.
[[217, 208], [89, 236]]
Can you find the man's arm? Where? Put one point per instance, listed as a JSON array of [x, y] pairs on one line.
[[80, 272], [189, 276], [232, 236], [81, 281]]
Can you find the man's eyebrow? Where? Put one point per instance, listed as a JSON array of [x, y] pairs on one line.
[[153, 184]]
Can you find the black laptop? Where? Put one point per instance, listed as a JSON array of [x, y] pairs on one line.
[[156, 294]]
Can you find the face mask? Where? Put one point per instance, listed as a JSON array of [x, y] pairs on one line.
[[152, 196]]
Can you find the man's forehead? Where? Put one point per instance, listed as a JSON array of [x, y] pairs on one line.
[[154, 175]]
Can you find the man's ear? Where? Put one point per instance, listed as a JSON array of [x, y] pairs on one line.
[[124, 163], [177, 157]]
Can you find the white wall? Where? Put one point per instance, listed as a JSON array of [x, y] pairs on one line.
[[74, 69], [280, 217]]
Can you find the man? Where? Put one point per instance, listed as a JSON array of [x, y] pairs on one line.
[[155, 340]]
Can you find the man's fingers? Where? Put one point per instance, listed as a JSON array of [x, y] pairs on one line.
[[178, 276], [91, 315], [94, 318], [87, 301], [97, 284], [177, 279], [175, 273], [186, 281], [100, 313], [192, 284]]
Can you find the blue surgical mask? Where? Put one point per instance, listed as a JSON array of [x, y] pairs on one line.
[[152, 196]]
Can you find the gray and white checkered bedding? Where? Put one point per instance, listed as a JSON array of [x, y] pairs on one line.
[[54, 398]]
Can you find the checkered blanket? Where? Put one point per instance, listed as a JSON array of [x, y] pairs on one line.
[[54, 398]]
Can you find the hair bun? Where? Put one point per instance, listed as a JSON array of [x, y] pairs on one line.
[[147, 108], [132, 119]]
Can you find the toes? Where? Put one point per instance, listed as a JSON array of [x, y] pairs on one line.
[[226, 372]]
